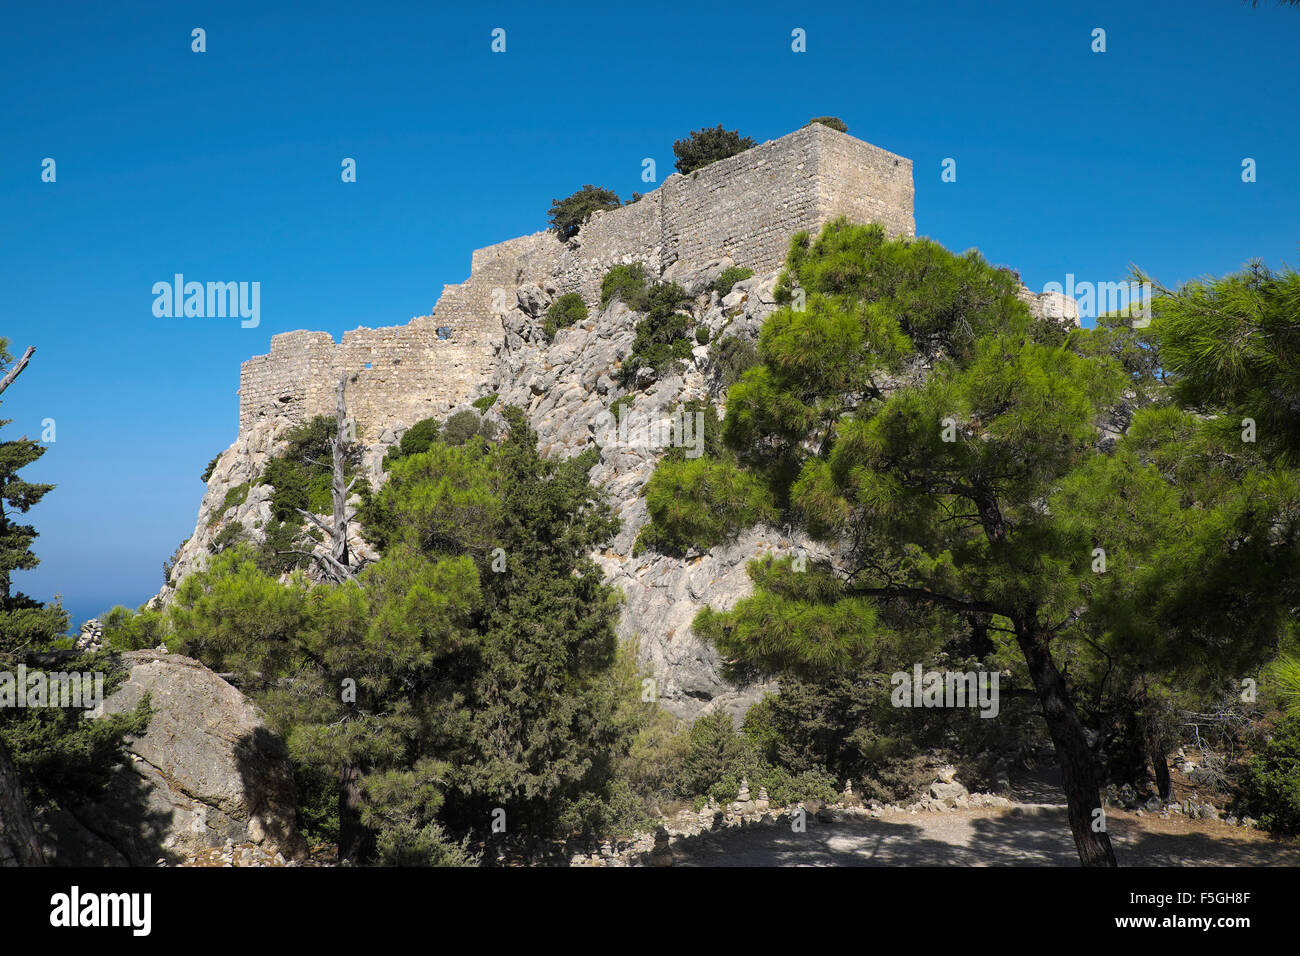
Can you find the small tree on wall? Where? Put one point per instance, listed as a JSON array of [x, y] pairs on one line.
[[705, 146], [568, 214]]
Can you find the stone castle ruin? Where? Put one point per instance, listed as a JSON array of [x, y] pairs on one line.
[[745, 208], [486, 336]]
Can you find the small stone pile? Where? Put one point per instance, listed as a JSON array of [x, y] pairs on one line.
[[91, 638]]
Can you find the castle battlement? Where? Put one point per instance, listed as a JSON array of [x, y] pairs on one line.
[[745, 207]]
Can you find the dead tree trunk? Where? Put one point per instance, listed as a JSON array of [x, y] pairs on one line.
[[335, 566], [14, 372]]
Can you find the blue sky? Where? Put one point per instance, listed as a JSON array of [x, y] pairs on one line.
[[225, 166]]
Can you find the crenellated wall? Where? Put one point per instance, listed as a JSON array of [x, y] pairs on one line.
[[745, 207]]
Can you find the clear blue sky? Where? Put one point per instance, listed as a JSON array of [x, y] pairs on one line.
[[225, 166]]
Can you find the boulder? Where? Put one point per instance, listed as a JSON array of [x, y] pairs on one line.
[[532, 299], [206, 771]]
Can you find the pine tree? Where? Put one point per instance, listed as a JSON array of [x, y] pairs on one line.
[[984, 491]]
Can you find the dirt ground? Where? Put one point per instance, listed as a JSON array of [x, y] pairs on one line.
[[1034, 832]]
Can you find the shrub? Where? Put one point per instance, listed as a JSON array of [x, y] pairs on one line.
[[1268, 787], [834, 122], [564, 311], [731, 357], [212, 466], [286, 547], [301, 476], [626, 282], [699, 502], [229, 536], [460, 428], [702, 335], [484, 403], [415, 440], [568, 214], [723, 283], [705, 146], [127, 630], [663, 335], [170, 564], [235, 497], [718, 758], [620, 403]]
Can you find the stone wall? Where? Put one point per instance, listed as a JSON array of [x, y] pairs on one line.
[[744, 208]]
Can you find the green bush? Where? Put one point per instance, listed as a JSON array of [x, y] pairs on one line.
[[461, 427], [663, 336], [723, 283], [731, 357], [718, 759], [212, 466], [301, 476], [617, 407], [568, 214], [705, 146], [834, 122], [128, 630], [484, 403], [564, 311], [415, 440], [235, 497], [1268, 787], [232, 534], [700, 502], [626, 282], [702, 335]]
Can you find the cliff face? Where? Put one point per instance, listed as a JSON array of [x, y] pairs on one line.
[[485, 337], [566, 386]]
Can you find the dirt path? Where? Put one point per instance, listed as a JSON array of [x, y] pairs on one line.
[[1035, 832]]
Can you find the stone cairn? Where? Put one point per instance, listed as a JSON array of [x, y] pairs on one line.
[[92, 636]]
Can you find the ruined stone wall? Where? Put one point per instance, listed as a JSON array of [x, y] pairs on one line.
[[745, 207]]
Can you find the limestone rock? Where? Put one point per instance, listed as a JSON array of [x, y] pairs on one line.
[[206, 771]]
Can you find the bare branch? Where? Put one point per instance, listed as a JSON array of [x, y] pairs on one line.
[[18, 368]]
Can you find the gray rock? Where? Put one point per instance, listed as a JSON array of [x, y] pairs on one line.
[[532, 299], [206, 771]]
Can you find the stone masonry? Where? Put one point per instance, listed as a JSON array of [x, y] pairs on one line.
[[745, 208]]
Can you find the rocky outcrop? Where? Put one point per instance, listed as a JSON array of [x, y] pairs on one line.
[[206, 771], [567, 386], [18, 843]]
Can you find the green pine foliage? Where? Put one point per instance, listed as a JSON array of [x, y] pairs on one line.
[[564, 311], [1268, 787], [479, 651], [62, 758], [708, 145], [625, 282], [729, 277], [568, 214], [983, 489]]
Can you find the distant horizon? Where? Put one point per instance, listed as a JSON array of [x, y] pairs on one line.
[[225, 166]]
